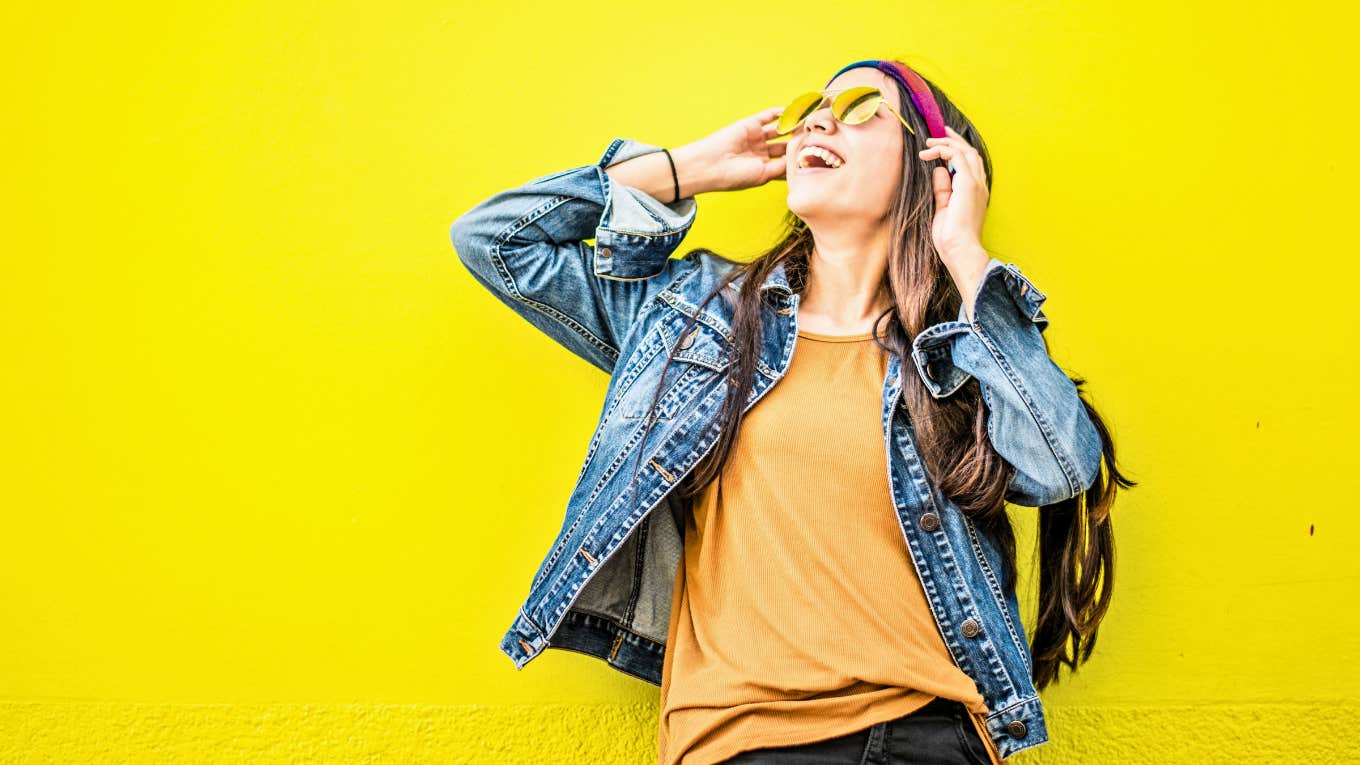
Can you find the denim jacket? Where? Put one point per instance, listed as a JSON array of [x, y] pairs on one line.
[[604, 587]]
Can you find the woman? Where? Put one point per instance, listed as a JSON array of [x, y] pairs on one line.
[[799, 628]]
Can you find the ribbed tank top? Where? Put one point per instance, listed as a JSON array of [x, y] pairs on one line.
[[798, 614]]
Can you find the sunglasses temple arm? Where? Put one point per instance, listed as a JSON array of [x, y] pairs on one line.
[[905, 124]]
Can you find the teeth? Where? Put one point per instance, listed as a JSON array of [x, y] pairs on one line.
[[830, 159]]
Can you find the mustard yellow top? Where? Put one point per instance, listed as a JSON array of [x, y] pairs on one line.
[[798, 613]]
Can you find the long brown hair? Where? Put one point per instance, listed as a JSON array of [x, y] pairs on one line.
[[1075, 536]]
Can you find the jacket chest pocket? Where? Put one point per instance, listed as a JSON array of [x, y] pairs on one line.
[[702, 355]]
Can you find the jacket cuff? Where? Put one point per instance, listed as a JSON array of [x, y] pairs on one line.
[[636, 232], [1005, 301]]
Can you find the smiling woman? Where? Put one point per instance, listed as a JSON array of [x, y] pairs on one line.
[[792, 514]]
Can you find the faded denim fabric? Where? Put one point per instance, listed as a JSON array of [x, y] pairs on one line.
[[604, 587]]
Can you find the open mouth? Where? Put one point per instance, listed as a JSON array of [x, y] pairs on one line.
[[818, 158]]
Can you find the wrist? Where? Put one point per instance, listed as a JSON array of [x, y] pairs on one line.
[[964, 253], [966, 265], [693, 170]]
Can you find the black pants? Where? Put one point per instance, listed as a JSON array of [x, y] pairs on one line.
[[938, 733]]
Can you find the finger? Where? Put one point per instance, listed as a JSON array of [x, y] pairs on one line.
[[776, 169], [970, 155], [943, 152], [953, 146], [952, 157], [933, 153], [973, 162], [942, 186], [963, 170], [960, 170], [769, 115], [954, 141], [966, 152], [979, 171], [777, 148]]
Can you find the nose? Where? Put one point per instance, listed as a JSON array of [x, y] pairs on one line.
[[820, 119]]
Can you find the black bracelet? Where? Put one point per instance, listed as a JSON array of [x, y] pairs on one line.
[[674, 177]]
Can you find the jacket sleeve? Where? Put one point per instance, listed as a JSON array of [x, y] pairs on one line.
[[1035, 420], [526, 245]]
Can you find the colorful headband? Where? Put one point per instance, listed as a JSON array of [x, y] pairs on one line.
[[915, 87]]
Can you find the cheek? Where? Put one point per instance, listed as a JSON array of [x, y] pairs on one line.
[[883, 169]]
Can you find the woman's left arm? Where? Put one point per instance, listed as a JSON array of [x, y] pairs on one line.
[[1036, 419]]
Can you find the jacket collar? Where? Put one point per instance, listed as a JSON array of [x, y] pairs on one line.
[[776, 280]]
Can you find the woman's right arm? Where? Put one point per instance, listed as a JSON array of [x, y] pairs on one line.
[[527, 244]]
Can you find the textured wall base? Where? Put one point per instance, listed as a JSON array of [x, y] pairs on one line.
[[59, 732]]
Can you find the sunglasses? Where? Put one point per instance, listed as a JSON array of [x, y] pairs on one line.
[[852, 106]]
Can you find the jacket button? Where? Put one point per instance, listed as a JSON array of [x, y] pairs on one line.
[[688, 340], [930, 521], [1016, 728], [604, 252], [970, 628]]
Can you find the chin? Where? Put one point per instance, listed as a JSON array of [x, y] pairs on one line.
[[807, 202]]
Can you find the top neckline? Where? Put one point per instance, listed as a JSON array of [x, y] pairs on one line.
[[835, 338]]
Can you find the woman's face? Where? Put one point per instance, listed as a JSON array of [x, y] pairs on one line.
[[862, 189]]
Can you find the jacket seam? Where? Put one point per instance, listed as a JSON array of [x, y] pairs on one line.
[[995, 587], [614, 621], [531, 621], [948, 552], [1042, 423], [508, 279]]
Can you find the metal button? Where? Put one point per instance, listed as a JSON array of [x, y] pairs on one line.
[[930, 521], [688, 340], [1016, 728], [786, 310], [604, 252], [970, 628]]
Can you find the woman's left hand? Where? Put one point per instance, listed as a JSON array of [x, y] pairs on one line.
[[960, 200]]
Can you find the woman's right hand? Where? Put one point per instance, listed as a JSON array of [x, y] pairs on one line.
[[738, 156]]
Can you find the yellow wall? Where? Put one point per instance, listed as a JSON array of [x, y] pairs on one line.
[[277, 472]]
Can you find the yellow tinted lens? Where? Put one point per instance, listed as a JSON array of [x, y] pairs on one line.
[[797, 111], [855, 105]]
